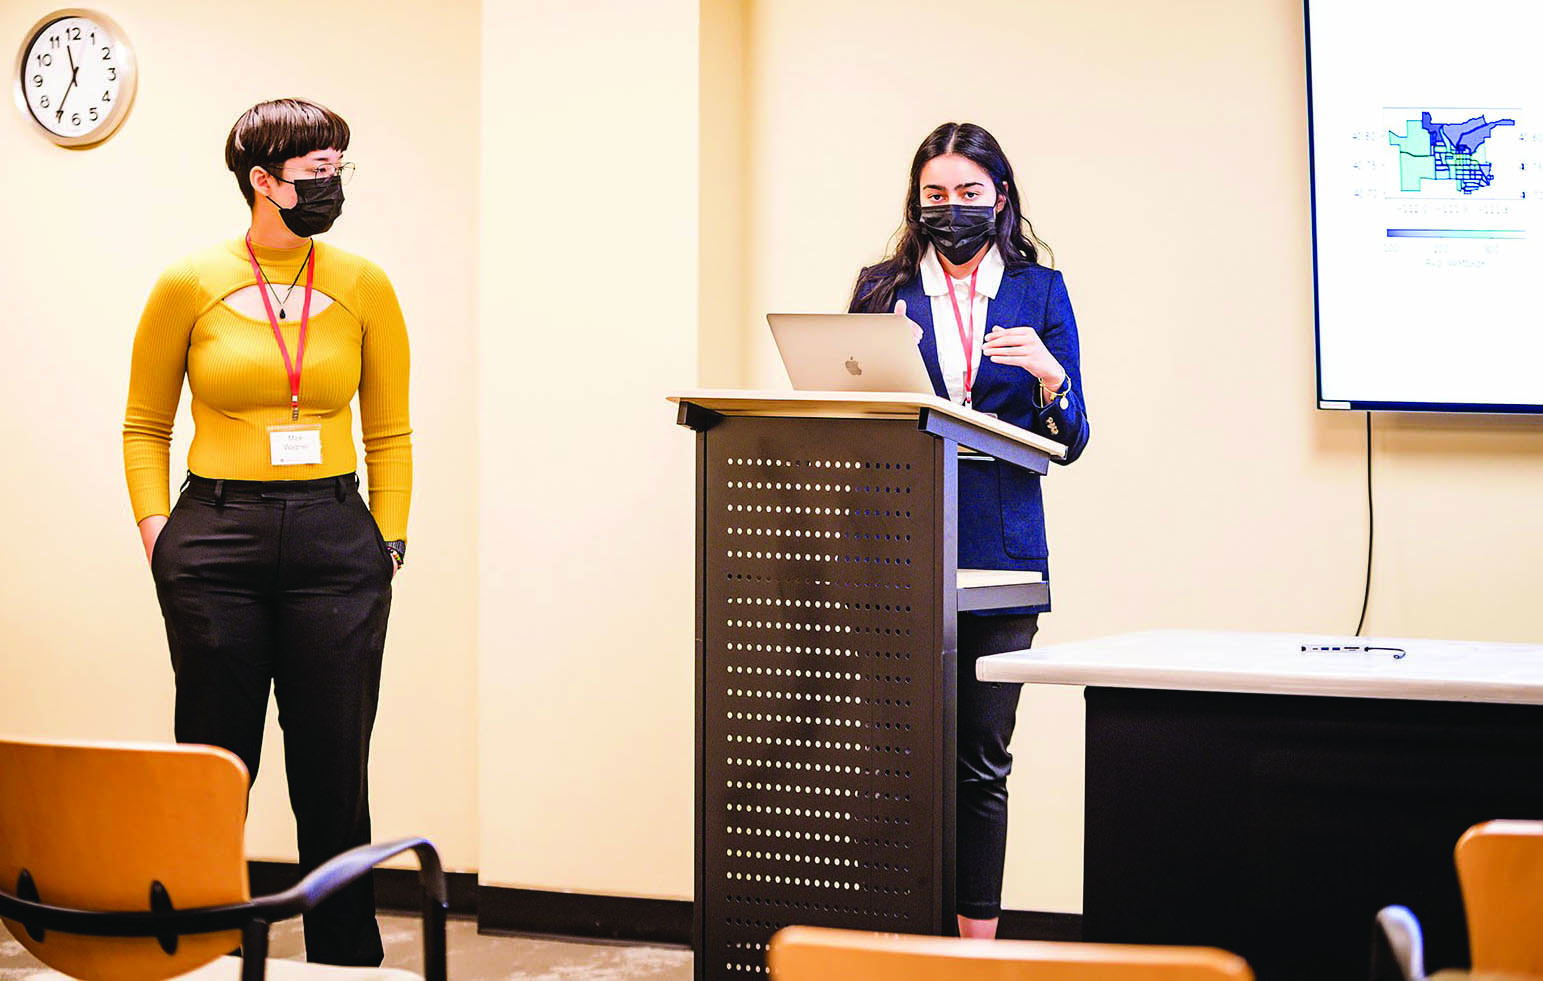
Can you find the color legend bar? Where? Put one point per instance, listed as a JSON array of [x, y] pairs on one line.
[[1456, 233]]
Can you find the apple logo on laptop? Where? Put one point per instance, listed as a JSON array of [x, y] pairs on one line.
[[853, 367]]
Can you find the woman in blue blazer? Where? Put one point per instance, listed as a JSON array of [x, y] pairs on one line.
[[997, 333]]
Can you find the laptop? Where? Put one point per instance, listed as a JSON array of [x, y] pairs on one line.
[[850, 352]]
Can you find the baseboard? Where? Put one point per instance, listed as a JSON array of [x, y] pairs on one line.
[[1020, 924], [396, 890], [502, 909], [656, 921]]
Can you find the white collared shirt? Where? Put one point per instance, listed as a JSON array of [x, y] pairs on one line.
[[945, 328]]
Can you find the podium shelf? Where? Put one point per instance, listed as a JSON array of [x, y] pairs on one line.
[[996, 589]]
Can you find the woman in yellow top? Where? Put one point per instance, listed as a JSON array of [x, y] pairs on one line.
[[270, 569]]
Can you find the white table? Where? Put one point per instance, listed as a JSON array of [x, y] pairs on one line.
[[1192, 660], [1246, 794]]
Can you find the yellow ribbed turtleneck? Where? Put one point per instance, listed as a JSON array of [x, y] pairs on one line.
[[236, 375]]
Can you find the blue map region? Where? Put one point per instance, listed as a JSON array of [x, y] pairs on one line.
[[1464, 137], [1432, 151]]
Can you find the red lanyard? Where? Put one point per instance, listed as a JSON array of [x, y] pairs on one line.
[[292, 369], [966, 341]]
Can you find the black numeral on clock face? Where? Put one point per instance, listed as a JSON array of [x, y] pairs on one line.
[[72, 33], [94, 114], [107, 53], [45, 60], [107, 96], [43, 102], [112, 74], [37, 81]]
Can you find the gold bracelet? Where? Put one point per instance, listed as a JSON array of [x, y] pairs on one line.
[[1065, 390]]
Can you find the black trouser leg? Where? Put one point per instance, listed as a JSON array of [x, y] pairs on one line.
[[987, 714], [334, 597], [209, 566], [288, 585]]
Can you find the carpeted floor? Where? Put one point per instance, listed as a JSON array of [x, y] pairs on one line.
[[473, 957]]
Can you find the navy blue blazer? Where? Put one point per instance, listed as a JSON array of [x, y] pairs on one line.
[[1001, 512]]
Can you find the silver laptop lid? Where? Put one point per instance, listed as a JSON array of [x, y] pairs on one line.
[[850, 352]]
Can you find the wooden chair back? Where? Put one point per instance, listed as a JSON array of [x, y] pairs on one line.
[[818, 954], [1500, 867], [95, 824]]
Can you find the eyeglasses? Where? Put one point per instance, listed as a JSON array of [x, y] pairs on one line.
[[344, 172]]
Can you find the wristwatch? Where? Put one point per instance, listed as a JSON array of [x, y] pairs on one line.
[[398, 550]]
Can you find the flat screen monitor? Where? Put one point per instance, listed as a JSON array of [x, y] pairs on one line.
[[1425, 122]]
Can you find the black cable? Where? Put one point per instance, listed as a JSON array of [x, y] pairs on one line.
[[295, 282], [1370, 526]]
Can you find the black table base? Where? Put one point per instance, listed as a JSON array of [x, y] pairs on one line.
[[1276, 826]]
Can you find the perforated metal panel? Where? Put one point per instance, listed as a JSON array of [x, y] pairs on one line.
[[826, 689]]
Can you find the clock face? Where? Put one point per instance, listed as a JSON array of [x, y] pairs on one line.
[[76, 76]]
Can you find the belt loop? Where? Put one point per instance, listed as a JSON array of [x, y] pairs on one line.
[[338, 482], [219, 493]]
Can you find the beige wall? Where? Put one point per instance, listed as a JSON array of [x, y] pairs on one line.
[[724, 45], [1162, 152], [87, 233], [587, 317], [650, 180]]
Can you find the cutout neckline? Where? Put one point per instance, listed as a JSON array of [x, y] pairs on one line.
[[320, 304]]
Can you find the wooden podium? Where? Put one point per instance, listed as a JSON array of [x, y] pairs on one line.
[[827, 592]]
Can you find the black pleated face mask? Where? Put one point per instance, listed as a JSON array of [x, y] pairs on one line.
[[959, 230], [318, 202]]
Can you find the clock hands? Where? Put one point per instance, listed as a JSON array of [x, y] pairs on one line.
[[74, 73]]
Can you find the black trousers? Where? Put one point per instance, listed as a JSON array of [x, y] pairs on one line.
[[285, 583], [987, 714]]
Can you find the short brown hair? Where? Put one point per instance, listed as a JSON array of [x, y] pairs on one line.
[[270, 133]]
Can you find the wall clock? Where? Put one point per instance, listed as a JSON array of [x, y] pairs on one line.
[[75, 76]]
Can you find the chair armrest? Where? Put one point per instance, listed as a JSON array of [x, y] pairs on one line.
[[344, 870], [337, 874], [252, 918], [300, 898], [1399, 939]]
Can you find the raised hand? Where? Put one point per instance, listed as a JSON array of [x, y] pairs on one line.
[[1022, 347]]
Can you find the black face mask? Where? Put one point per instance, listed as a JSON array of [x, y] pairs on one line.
[[318, 202], [959, 230]]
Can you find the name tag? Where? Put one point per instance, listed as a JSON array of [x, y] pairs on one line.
[[292, 446]]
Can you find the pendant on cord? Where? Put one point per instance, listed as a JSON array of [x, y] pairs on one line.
[[261, 277]]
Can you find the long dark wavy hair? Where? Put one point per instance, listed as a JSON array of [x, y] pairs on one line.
[[1015, 238]]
